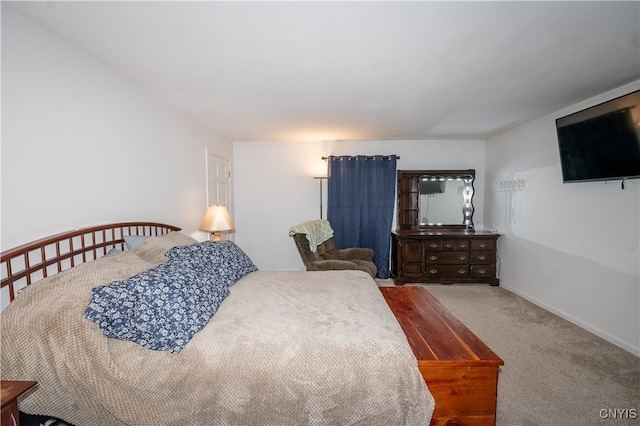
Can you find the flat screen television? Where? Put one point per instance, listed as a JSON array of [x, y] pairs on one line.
[[601, 142]]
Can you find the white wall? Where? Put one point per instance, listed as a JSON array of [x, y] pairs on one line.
[[571, 248], [82, 145], [275, 189]]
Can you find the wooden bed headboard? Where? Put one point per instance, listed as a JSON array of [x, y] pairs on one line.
[[30, 262]]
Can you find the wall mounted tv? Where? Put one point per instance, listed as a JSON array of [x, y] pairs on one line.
[[601, 142]]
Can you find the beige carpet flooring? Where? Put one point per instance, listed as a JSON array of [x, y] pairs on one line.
[[555, 372]]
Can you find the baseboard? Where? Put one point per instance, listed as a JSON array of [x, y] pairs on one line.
[[590, 328]]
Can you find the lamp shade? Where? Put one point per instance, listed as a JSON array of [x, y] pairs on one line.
[[216, 219]]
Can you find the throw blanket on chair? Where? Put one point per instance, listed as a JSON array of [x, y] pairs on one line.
[[317, 232]]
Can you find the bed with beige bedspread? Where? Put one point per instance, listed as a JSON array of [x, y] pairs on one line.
[[283, 348]]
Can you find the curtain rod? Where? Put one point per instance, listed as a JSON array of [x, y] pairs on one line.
[[368, 157]]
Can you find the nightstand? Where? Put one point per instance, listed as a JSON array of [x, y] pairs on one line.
[[9, 393]]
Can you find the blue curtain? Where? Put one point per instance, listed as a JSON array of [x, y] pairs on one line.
[[360, 201]]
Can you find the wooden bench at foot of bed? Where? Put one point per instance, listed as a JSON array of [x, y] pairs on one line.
[[459, 369]]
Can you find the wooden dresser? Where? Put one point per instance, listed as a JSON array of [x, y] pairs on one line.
[[459, 369], [435, 240], [444, 256]]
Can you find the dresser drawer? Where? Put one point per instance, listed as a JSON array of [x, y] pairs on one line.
[[447, 258], [455, 245], [482, 257], [483, 271], [433, 245], [447, 271], [483, 244]]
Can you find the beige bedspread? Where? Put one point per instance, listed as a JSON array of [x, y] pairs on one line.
[[285, 348]]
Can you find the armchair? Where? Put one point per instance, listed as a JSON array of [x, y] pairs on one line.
[[325, 256]]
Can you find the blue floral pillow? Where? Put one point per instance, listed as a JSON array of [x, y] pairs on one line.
[[223, 258], [161, 308]]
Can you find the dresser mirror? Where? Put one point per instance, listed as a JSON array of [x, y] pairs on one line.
[[435, 199]]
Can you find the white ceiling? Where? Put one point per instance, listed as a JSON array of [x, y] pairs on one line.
[[358, 70]]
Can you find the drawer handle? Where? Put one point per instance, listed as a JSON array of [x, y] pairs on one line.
[[447, 245], [433, 271], [462, 257], [483, 245], [482, 271], [482, 257], [462, 271], [433, 245], [433, 257]]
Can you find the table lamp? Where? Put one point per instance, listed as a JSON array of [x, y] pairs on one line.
[[216, 219]]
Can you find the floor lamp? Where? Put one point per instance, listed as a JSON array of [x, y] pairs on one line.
[[320, 178]]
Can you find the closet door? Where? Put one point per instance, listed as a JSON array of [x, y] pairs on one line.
[[218, 182]]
